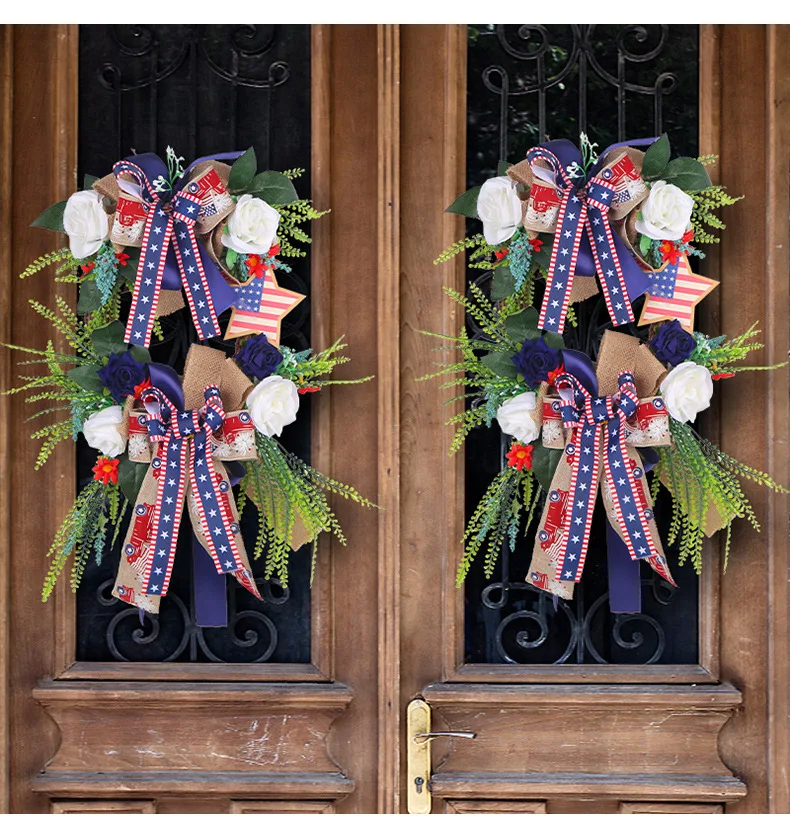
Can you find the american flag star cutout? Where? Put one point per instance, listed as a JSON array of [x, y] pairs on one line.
[[260, 307], [674, 292]]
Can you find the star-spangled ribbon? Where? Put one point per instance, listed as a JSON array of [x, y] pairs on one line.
[[598, 444], [584, 241], [184, 463], [168, 225]]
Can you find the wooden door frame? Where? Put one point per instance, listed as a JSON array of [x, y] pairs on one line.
[[755, 109]]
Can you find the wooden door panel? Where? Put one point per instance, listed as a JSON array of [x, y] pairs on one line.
[[494, 807], [103, 807]]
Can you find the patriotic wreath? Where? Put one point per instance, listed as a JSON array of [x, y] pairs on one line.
[[566, 220], [141, 240]]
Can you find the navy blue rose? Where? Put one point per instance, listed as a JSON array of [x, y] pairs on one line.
[[535, 361], [258, 358], [122, 374], [672, 344]]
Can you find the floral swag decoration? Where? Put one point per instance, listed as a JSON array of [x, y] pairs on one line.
[[572, 221], [148, 239]]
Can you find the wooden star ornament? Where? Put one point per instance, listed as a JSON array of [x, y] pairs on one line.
[[260, 307], [674, 292]]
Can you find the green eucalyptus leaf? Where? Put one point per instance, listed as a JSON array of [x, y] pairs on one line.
[[466, 204], [644, 244], [130, 477], [544, 463], [687, 174], [502, 167], [90, 297], [51, 218], [87, 377], [274, 188], [500, 364], [656, 158], [140, 354], [89, 180], [243, 171], [230, 257], [523, 326], [554, 340], [109, 339], [503, 284]]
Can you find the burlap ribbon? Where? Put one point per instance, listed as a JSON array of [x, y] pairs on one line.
[[601, 424]]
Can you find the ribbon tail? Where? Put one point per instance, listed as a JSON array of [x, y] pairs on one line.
[[195, 283], [211, 602], [625, 587]]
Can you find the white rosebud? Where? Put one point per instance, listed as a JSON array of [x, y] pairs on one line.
[[666, 213], [102, 431], [499, 208], [252, 226], [85, 222], [687, 390], [516, 417], [273, 404]]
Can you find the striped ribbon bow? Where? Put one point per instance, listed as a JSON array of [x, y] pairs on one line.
[[598, 443], [584, 209], [183, 463], [171, 224]]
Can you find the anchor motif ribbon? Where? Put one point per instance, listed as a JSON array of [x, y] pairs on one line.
[[598, 444], [599, 421], [171, 255], [584, 241], [186, 448]]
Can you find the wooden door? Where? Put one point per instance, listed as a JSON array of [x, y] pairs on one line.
[[319, 726]]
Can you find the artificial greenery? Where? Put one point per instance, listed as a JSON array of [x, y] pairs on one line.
[[307, 369], [721, 356], [707, 202], [702, 481], [285, 489], [84, 532]]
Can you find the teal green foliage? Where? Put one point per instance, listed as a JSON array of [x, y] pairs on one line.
[[306, 369], [285, 491], [105, 274], [721, 356]]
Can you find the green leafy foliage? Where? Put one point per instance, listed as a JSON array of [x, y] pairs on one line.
[[701, 478], [51, 218], [721, 356], [83, 532], [273, 187], [62, 258], [242, 172], [284, 488], [656, 158], [705, 215], [307, 369], [466, 204]]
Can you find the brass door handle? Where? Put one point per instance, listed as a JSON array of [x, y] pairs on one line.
[[418, 754]]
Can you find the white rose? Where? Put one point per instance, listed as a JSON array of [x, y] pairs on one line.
[[102, 431], [252, 226], [516, 417], [273, 404], [85, 222], [666, 213], [687, 390], [499, 208]]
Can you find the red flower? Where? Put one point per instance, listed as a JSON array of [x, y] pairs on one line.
[[500, 254], [138, 388], [274, 250], [303, 390], [668, 249], [536, 244], [106, 470], [87, 268], [256, 266], [520, 456], [122, 258], [556, 372], [717, 375]]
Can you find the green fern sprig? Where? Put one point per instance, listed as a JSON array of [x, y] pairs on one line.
[[62, 258], [289, 231], [707, 203], [721, 356], [308, 369], [83, 532]]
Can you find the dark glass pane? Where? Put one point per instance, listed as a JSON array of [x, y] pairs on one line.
[[525, 84], [202, 90]]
